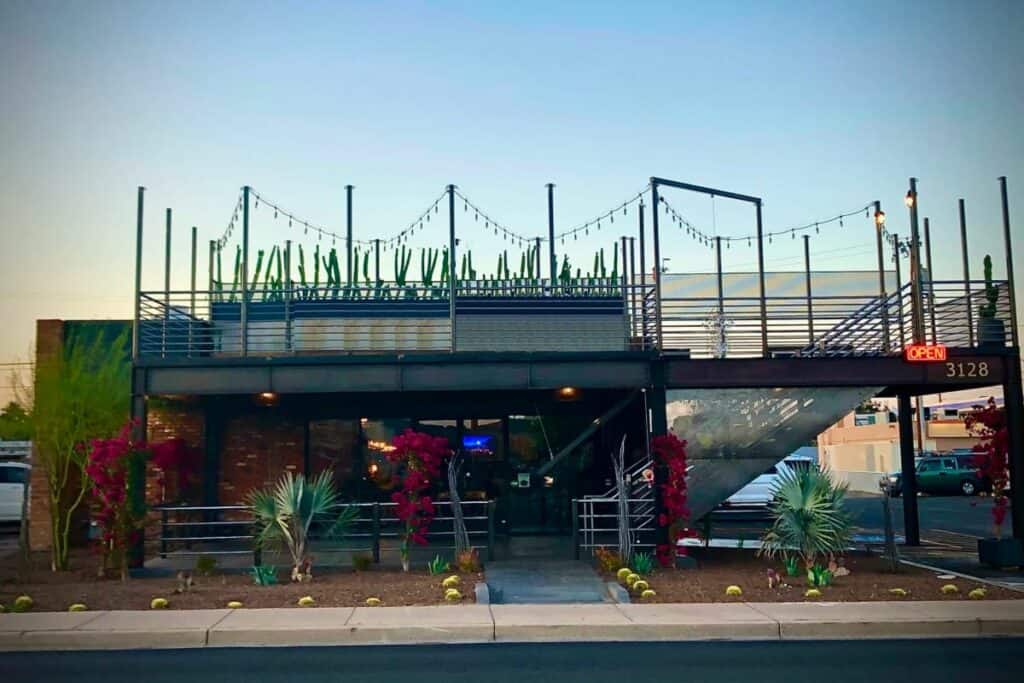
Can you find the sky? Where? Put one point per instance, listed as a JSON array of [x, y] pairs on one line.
[[817, 107]]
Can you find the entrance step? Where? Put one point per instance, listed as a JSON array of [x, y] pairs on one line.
[[517, 582]]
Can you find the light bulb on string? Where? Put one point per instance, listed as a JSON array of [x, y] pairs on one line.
[[749, 243], [816, 229], [275, 214], [840, 222], [476, 216]]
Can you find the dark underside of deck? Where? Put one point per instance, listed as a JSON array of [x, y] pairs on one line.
[[518, 372]]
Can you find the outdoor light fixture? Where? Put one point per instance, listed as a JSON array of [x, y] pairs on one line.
[[909, 199], [549, 480], [568, 393], [267, 398], [363, 420], [879, 218]]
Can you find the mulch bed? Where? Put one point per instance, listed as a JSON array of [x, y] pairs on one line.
[[869, 580], [329, 587]]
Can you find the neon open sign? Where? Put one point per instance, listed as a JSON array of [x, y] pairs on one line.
[[925, 353]]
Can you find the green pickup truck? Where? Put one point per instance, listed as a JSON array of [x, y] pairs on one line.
[[954, 473]]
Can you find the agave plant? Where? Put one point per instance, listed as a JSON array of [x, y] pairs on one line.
[[286, 512], [810, 520]]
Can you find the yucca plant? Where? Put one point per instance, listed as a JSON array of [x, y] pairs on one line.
[[286, 512], [810, 520]]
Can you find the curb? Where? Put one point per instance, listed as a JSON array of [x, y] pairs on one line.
[[508, 623]]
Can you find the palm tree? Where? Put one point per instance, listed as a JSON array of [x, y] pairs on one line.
[[809, 517], [285, 512]]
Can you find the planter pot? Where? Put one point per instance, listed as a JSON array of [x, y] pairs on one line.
[[1000, 552], [991, 333]]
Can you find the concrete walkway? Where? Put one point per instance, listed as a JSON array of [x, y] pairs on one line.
[[517, 582], [509, 623]]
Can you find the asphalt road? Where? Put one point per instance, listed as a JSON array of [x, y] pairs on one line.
[[907, 661]]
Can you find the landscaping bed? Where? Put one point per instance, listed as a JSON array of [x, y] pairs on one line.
[[329, 588], [869, 580]]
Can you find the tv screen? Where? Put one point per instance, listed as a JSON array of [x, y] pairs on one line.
[[478, 444]]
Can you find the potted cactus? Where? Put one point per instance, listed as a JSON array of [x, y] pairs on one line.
[[991, 330]]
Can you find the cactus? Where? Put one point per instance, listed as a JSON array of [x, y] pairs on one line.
[[734, 591], [950, 589], [988, 310], [235, 604], [898, 592], [647, 594], [977, 594], [451, 581], [159, 603], [452, 595], [77, 607], [306, 601], [22, 603], [366, 266], [373, 602], [238, 272], [812, 593], [640, 586], [623, 573], [302, 267], [632, 578]]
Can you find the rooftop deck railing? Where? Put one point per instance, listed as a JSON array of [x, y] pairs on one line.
[[603, 314]]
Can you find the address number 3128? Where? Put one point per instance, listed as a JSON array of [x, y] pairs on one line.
[[967, 369]]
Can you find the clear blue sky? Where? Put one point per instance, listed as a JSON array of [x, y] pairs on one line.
[[818, 107]]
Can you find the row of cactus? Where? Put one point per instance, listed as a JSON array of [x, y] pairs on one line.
[[271, 274]]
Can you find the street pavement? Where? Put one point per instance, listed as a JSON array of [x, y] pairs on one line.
[[908, 661]]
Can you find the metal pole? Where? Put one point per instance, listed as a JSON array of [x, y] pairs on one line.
[[807, 275], [917, 312], [899, 289], [908, 480], [1014, 332], [643, 249], [348, 233], [632, 282], [167, 283], [213, 252], [452, 272], [376, 260], [1014, 402], [931, 280], [138, 271], [194, 263], [192, 303], [536, 258], [624, 280], [967, 273], [760, 277], [244, 322], [551, 231], [883, 297], [657, 261], [288, 295], [718, 270]]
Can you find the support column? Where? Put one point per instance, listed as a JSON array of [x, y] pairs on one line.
[[137, 468], [911, 528], [213, 430], [452, 268], [551, 232], [1014, 402], [659, 427]]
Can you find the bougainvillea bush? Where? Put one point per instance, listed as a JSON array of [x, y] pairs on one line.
[[417, 457], [992, 456], [670, 453], [108, 462]]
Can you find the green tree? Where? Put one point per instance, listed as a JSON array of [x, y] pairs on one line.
[[81, 393], [15, 423]]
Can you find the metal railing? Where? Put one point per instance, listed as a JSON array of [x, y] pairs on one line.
[[596, 523], [416, 317], [230, 529], [387, 317]]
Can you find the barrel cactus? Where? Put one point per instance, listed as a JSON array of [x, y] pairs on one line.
[[977, 594], [812, 593], [648, 594], [373, 602], [234, 604], [950, 589], [306, 601], [640, 586], [734, 591], [898, 592], [159, 603], [22, 603], [77, 607], [623, 574], [452, 595], [631, 579]]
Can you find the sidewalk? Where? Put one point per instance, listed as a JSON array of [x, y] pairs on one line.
[[508, 623]]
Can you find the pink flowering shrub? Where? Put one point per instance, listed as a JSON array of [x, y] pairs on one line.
[[107, 467], [418, 456]]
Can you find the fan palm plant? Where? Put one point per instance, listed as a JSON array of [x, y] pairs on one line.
[[286, 512], [810, 520]]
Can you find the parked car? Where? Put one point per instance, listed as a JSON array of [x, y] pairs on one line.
[[12, 490], [952, 473], [758, 494]]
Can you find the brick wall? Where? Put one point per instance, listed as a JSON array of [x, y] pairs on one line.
[[171, 420], [255, 450]]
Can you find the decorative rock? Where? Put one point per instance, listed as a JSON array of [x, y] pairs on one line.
[[483, 593]]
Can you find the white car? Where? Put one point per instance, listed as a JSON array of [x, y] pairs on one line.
[[759, 493], [12, 490]]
